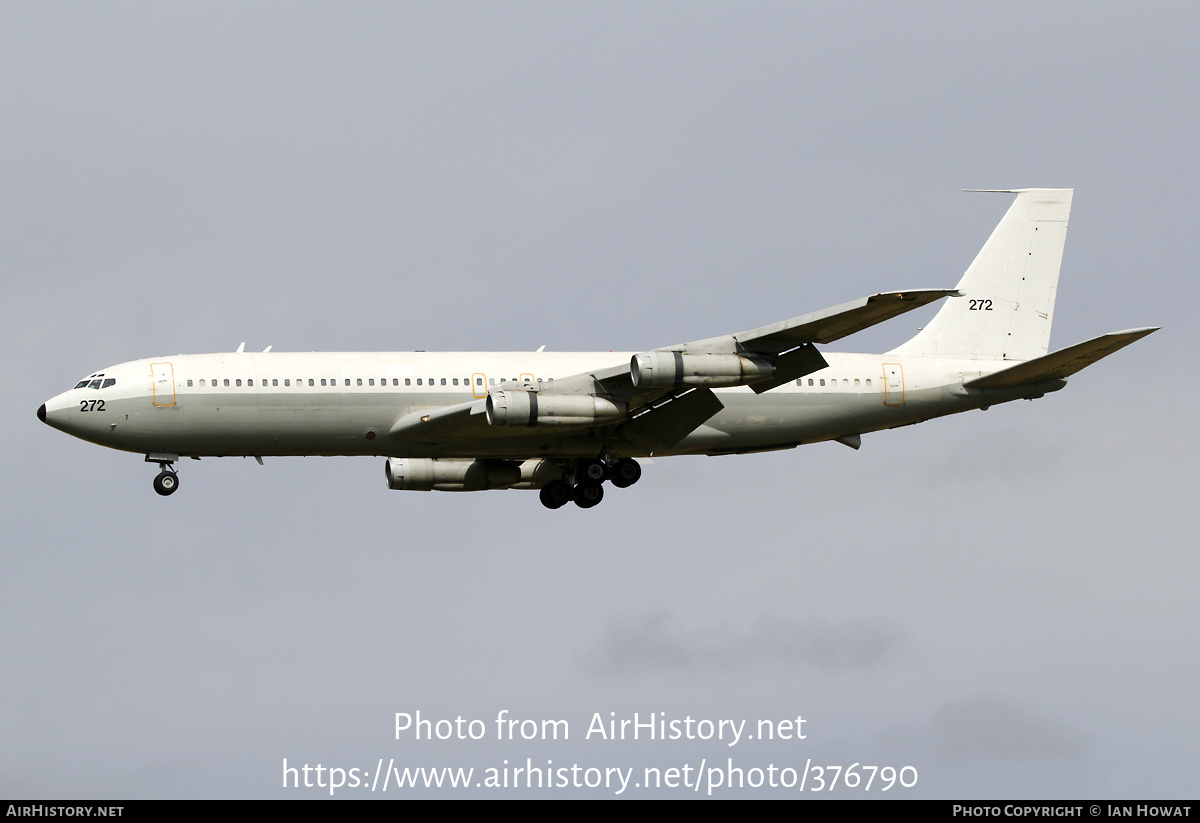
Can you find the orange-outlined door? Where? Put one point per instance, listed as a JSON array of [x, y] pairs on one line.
[[893, 384], [164, 384], [479, 384]]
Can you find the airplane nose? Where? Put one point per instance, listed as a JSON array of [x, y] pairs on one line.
[[42, 412]]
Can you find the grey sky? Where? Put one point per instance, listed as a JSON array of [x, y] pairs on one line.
[[1011, 595]]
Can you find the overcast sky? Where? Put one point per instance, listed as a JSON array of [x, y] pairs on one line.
[[1005, 602]]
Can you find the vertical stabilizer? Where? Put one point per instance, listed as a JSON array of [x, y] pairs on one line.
[[1008, 292]]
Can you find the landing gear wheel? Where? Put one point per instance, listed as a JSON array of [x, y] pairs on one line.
[[555, 494], [588, 495], [625, 473], [166, 482], [592, 471]]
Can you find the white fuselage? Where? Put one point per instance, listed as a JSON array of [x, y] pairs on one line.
[[280, 403]]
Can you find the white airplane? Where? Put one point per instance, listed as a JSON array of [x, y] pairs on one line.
[[565, 423]]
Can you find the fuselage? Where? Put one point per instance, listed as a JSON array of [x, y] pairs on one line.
[[281, 403]]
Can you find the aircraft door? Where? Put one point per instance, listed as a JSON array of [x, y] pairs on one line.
[[163, 376], [893, 384], [479, 385]]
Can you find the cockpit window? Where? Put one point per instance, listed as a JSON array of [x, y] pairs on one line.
[[95, 384], [81, 384], [110, 381]]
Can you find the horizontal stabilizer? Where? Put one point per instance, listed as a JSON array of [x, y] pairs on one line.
[[1060, 364]]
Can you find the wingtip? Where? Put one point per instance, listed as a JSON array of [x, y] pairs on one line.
[[1018, 191]]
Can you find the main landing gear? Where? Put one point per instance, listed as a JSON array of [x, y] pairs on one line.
[[167, 481], [589, 477]]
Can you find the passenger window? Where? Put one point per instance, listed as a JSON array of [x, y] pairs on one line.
[[478, 381], [822, 381], [810, 381], [456, 381], [371, 381], [311, 382], [419, 383], [443, 381], [868, 381], [491, 381], [202, 383], [249, 382], [287, 382], [856, 381], [189, 384], [238, 381], [408, 381], [360, 381]]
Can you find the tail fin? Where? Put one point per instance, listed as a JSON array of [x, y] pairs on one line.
[[1008, 292]]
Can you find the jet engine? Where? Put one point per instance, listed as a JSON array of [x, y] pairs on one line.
[[526, 408], [671, 369], [465, 475]]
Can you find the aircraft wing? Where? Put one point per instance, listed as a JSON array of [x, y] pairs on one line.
[[1062, 363], [786, 350], [787, 345], [823, 326]]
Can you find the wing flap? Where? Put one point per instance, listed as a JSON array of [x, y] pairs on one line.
[[667, 424], [790, 365]]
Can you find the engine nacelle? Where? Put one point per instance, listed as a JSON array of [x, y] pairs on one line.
[[464, 475], [526, 408], [671, 369]]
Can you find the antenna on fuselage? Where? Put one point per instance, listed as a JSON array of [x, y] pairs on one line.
[[267, 349], [241, 347]]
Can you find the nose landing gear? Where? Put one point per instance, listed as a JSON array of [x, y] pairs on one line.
[[167, 481]]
